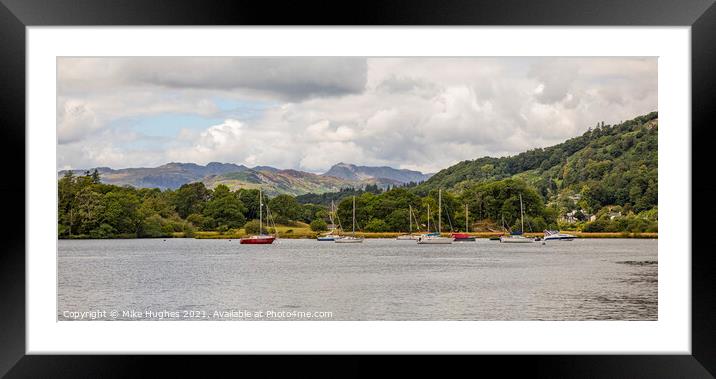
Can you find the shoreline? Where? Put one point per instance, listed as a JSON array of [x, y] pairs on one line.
[[483, 235], [393, 235]]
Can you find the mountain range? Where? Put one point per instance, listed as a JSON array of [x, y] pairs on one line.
[[272, 180]]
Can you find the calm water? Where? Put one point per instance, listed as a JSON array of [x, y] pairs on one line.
[[181, 279]]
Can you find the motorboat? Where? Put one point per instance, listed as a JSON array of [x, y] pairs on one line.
[[555, 235]]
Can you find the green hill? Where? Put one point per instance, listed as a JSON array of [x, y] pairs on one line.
[[608, 165]]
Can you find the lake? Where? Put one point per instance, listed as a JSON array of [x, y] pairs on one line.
[[380, 279]]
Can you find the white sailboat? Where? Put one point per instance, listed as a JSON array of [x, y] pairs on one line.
[[518, 237], [410, 236], [351, 238], [330, 236], [435, 238]]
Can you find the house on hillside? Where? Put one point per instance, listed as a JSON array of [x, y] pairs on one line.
[[576, 215], [613, 215]]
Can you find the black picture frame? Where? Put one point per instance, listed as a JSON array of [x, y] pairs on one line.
[[16, 15]]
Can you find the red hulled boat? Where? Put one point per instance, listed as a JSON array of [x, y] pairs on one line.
[[462, 237], [255, 240], [260, 239]]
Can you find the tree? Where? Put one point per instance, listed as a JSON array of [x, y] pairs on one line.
[[120, 211], [285, 208], [250, 199], [225, 208], [95, 176], [191, 198], [319, 225], [66, 202], [88, 210], [152, 227], [252, 227], [376, 225], [310, 212], [398, 221]]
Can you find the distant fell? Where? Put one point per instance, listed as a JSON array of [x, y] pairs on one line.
[[168, 176], [272, 180], [353, 172]]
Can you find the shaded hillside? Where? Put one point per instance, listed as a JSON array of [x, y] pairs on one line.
[[353, 172], [273, 180], [607, 165], [168, 176]]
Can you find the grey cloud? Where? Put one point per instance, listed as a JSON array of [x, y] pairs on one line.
[[291, 79], [401, 84], [556, 78]]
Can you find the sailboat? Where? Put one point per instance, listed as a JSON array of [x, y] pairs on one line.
[[329, 236], [410, 235], [351, 238], [517, 237], [435, 238], [261, 238], [464, 237]]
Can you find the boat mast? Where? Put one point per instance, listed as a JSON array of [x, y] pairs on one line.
[[428, 218], [440, 210], [522, 216], [410, 217], [261, 205], [354, 216], [330, 214], [467, 226]]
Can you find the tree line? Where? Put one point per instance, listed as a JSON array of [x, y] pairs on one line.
[[88, 208]]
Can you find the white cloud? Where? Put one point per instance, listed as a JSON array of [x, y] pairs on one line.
[[75, 119]]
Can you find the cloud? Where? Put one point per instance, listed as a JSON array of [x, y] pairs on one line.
[[289, 79], [417, 113], [75, 119], [555, 78]]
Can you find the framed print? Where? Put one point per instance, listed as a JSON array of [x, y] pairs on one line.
[[456, 178]]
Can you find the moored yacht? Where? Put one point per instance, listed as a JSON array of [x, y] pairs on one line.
[[517, 237], [330, 236], [410, 236], [261, 238], [464, 237], [435, 238], [351, 238]]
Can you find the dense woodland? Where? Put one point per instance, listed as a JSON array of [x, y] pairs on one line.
[[605, 179], [607, 165]]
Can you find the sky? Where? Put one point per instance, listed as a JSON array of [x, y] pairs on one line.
[[308, 113]]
